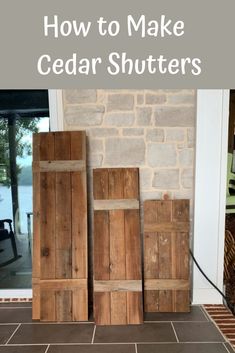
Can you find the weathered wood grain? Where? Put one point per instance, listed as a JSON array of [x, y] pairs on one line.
[[59, 166], [166, 256], [116, 205], [60, 250], [118, 296], [118, 286]]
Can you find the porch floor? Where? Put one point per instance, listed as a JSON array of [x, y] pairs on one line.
[[169, 333]]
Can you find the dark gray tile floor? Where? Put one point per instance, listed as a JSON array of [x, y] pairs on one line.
[[161, 333]]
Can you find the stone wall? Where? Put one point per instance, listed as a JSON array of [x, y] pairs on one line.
[[153, 130]]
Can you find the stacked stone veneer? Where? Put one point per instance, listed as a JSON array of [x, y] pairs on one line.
[[150, 129]]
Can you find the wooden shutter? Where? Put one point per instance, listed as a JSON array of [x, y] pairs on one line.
[[60, 227], [166, 256], [117, 254]]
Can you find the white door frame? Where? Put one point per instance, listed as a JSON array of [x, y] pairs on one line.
[[210, 193], [56, 124]]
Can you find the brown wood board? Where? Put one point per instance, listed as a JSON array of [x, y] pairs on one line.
[[60, 227], [117, 249], [166, 256]]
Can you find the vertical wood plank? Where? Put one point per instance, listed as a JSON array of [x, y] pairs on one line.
[[63, 210], [164, 214], [48, 307], [47, 210], [79, 227], [102, 309], [63, 301], [181, 213], [36, 302], [151, 260], [47, 226], [117, 247], [63, 227], [79, 208], [101, 248], [151, 301], [134, 308], [118, 308], [133, 246], [132, 237], [80, 305]]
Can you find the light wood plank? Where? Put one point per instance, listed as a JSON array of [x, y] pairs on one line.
[[59, 166], [167, 227], [133, 247], [118, 286], [65, 284], [102, 308], [166, 284], [48, 306], [116, 205], [63, 210], [118, 308], [80, 304], [36, 302], [63, 300]]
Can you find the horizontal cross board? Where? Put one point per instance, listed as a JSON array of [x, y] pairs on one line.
[[166, 284], [121, 204], [118, 286], [59, 166], [167, 227], [62, 284]]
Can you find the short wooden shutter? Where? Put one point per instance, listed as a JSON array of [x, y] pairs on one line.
[[60, 227], [117, 253], [166, 256]]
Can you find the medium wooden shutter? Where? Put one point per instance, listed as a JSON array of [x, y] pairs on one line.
[[117, 253], [166, 256], [60, 227]]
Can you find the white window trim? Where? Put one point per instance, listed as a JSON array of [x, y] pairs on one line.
[[210, 193], [56, 109]]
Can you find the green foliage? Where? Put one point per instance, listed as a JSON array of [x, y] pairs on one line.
[[24, 126]]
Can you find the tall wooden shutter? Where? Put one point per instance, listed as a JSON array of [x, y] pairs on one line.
[[166, 256], [60, 227], [117, 253]]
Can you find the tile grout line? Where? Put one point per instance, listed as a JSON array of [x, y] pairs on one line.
[[93, 336], [47, 348], [204, 312], [225, 347], [105, 343], [48, 323], [177, 339], [13, 334], [136, 349]]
